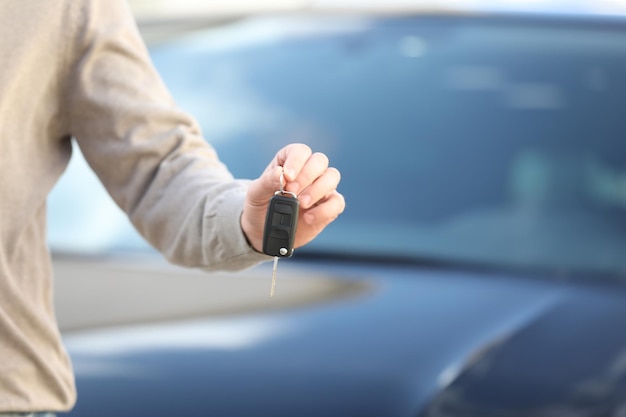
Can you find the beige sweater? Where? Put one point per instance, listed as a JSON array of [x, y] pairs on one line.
[[78, 68]]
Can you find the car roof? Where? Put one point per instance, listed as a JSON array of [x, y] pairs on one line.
[[169, 18], [175, 9]]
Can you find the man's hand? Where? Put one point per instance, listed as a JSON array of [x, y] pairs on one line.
[[306, 174]]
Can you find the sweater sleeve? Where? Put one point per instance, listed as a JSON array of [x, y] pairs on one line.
[[149, 155]]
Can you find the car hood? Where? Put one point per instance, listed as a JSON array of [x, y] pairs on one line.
[[419, 342]]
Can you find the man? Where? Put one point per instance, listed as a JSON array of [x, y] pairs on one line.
[[79, 69]]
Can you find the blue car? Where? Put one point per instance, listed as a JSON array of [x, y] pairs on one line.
[[479, 268]]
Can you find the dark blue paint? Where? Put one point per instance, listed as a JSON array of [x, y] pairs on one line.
[[522, 344]]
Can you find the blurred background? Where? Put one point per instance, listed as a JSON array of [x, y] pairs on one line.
[[478, 269]]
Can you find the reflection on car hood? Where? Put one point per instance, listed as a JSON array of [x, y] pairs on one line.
[[570, 360], [501, 345]]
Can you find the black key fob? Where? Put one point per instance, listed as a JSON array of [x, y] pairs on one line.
[[280, 225]]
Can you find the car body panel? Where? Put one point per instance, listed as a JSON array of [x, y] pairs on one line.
[[417, 335]]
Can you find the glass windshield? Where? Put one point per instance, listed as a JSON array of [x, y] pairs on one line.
[[457, 138]]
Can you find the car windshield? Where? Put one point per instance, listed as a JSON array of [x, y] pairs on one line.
[[495, 141]]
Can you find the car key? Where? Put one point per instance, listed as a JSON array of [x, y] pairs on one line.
[[281, 222]]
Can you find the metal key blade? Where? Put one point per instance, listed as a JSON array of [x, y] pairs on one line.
[[274, 276]]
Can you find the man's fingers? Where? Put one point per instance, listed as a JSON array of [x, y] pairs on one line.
[[318, 190], [314, 168], [318, 217], [306, 174], [293, 158]]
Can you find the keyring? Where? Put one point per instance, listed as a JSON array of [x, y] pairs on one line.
[[282, 186]]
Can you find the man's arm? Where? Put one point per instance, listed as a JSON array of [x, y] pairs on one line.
[[153, 161]]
